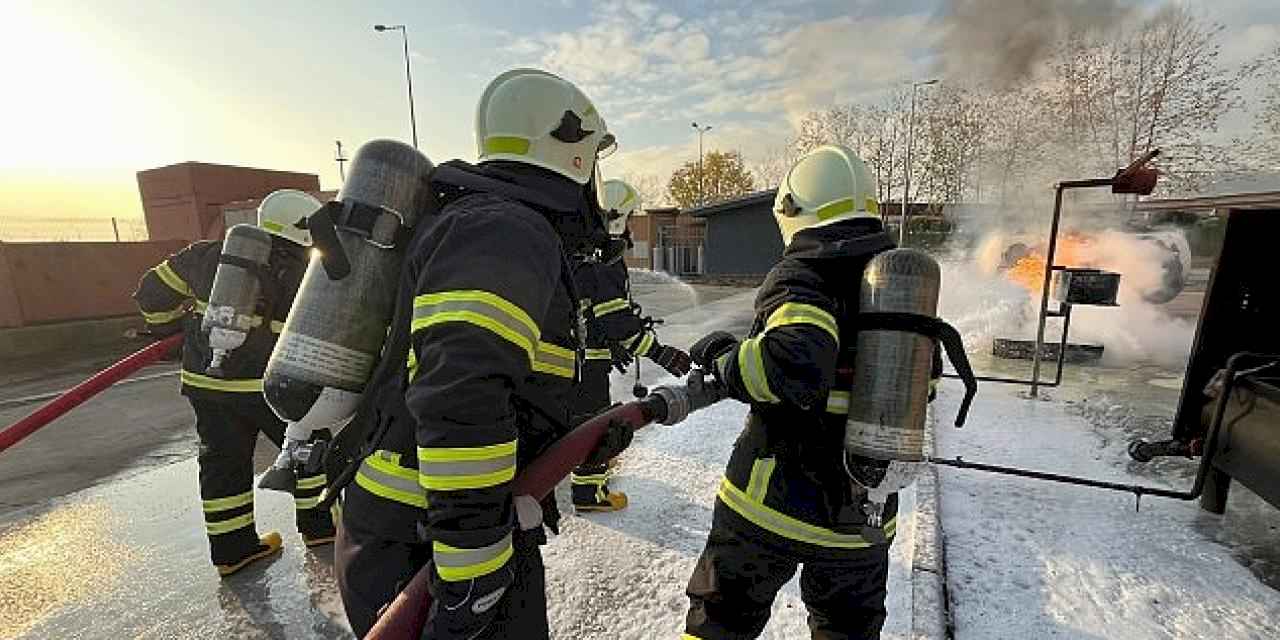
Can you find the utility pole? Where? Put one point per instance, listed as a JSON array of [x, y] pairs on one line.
[[701, 193], [342, 160], [413, 121], [906, 186]]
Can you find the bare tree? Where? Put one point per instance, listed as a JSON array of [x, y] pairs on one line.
[[652, 192]]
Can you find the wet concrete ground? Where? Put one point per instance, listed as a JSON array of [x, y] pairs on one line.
[[128, 558], [100, 531]]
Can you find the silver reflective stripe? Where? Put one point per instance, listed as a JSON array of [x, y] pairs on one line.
[[402, 487], [467, 468], [455, 564], [425, 311], [554, 358], [838, 402]]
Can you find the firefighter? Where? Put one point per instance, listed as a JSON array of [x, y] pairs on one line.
[[616, 334], [230, 409], [786, 498], [479, 371]]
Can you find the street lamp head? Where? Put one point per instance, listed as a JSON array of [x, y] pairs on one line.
[[379, 27], [694, 125], [928, 82]]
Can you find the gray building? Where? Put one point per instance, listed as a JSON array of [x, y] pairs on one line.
[[742, 237]]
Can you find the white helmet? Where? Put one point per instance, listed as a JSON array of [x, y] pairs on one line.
[[538, 118], [281, 212], [827, 184], [618, 200]]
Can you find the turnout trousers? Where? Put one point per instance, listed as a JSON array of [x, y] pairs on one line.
[[228, 430], [737, 577], [373, 569]]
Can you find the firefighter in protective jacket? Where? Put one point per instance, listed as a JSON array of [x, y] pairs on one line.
[[616, 334], [786, 499], [484, 351], [230, 410]]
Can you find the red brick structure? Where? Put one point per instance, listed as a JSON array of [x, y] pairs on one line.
[[184, 201]]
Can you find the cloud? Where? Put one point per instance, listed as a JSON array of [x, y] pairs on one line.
[[669, 21], [756, 69]]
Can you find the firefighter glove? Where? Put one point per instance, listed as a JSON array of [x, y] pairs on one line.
[[675, 361], [621, 358], [615, 440], [464, 609], [711, 346]]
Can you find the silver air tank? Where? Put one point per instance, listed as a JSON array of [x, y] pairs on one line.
[[336, 327], [885, 432], [231, 313]]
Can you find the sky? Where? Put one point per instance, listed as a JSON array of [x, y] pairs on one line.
[[93, 92]]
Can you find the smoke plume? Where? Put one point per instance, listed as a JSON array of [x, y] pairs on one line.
[[1005, 41]]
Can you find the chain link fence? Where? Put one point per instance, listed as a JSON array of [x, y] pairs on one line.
[[21, 229]]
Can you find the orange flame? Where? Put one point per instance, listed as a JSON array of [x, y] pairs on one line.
[[1073, 250]]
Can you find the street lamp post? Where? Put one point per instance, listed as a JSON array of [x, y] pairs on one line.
[[413, 121], [906, 186], [701, 130]]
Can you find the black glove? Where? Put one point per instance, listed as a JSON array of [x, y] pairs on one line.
[[710, 347], [615, 440], [675, 361], [621, 358], [463, 610]]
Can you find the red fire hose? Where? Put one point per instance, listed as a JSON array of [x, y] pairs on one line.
[[406, 616], [75, 396]]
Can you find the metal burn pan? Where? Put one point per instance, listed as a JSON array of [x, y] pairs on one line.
[[1086, 286]]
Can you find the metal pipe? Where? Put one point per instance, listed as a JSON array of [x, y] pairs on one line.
[[1197, 486], [1044, 292]]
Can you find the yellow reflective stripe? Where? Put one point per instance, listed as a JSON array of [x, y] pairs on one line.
[[271, 225], [791, 528], [599, 354], [595, 479], [302, 504], [455, 564], [227, 526], [506, 144], [800, 313], [480, 308], [277, 326], [312, 482], [758, 485], [838, 402], [381, 474], [933, 385], [162, 317], [751, 366], [631, 195], [689, 636], [640, 343], [833, 209], [454, 454], [170, 277], [411, 361], [229, 502], [215, 384], [456, 468], [555, 360], [201, 305], [609, 306]]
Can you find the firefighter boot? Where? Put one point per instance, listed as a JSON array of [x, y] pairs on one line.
[[268, 545], [590, 488]]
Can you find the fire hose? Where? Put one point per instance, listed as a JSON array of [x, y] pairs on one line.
[[406, 616], [77, 395]]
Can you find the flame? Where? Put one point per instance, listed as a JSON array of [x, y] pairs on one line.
[[1073, 250]]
